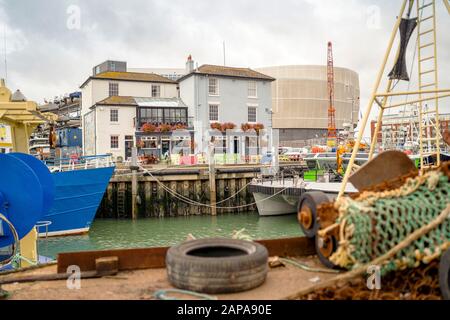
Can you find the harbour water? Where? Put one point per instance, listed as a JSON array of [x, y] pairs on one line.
[[156, 232]]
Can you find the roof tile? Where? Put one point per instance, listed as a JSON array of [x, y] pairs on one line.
[[231, 72]]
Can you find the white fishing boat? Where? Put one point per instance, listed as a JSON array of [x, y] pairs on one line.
[[279, 197]]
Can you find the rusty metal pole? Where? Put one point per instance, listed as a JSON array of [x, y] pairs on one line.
[[212, 179], [134, 168]]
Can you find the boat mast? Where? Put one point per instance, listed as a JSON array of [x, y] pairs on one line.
[[381, 98]]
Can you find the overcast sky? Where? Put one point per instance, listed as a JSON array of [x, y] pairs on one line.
[[50, 52]]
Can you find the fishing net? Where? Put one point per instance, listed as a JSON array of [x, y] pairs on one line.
[[373, 222], [420, 283]]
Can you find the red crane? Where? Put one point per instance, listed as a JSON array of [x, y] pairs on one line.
[[332, 134]]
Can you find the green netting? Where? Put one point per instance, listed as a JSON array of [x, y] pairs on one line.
[[376, 222]]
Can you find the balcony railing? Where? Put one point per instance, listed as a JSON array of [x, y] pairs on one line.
[[189, 122]]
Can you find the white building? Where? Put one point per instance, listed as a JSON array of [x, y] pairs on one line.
[[110, 127], [226, 95], [121, 109]]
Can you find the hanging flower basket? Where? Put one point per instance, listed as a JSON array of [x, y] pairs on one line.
[[258, 127], [228, 126], [165, 128], [216, 126], [179, 126], [148, 127], [246, 127]]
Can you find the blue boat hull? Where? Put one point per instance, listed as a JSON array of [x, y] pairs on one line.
[[78, 194]]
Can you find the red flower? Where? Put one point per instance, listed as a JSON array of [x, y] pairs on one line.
[[148, 127], [216, 126], [258, 127], [165, 128], [228, 126]]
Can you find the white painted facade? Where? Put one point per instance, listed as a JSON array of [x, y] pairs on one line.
[[233, 102], [105, 129], [99, 121], [96, 90]]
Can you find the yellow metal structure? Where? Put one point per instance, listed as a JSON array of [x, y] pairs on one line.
[[23, 118], [428, 77], [423, 92]]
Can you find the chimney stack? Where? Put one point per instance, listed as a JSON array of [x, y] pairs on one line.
[[189, 65]]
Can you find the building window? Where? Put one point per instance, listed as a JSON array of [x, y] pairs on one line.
[[162, 115], [156, 91], [213, 86], [252, 89], [114, 142], [114, 115], [252, 114], [113, 89], [213, 112]]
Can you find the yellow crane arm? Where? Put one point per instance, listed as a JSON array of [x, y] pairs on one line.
[[447, 5], [23, 118]]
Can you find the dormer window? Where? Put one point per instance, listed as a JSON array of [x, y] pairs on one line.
[[213, 86]]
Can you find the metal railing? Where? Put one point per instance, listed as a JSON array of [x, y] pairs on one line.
[[79, 163]]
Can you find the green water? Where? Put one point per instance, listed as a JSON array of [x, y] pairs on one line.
[[156, 232]]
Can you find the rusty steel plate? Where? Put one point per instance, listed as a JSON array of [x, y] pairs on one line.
[[386, 166]]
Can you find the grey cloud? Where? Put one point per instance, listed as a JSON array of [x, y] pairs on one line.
[[53, 60]]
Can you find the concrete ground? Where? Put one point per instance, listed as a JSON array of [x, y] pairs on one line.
[[141, 284]]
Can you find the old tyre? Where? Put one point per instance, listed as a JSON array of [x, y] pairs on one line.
[[444, 275], [217, 265], [307, 211]]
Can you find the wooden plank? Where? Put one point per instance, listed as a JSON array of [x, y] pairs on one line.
[[152, 258]]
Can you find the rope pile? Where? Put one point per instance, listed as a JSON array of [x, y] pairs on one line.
[[373, 222], [412, 284]]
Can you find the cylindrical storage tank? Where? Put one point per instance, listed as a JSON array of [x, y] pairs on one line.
[[300, 99]]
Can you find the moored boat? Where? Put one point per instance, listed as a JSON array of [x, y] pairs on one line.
[[79, 189]]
